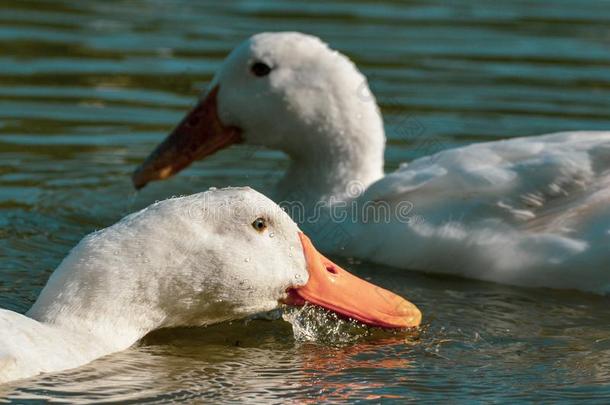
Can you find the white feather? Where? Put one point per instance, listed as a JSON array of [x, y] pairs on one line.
[[185, 261], [526, 211]]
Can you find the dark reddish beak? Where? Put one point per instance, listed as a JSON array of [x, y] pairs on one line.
[[333, 288], [198, 135]]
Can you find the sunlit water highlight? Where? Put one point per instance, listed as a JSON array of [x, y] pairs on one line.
[[316, 325]]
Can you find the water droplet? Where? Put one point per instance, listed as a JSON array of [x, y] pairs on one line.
[[247, 259], [315, 324], [271, 234]]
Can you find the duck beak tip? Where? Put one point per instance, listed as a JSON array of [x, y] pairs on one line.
[[199, 134]]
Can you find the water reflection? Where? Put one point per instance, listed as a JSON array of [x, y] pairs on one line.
[[88, 88], [491, 347]]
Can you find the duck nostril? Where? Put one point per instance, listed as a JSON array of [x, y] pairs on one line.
[[332, 269]]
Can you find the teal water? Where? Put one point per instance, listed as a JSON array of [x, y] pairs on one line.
[[87, 88]]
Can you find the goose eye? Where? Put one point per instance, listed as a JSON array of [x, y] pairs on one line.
[[259, 224], [260, 69]]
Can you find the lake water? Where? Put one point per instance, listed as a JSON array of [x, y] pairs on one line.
[[87, 88]]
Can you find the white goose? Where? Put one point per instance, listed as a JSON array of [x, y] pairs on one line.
[[527, 211], [189, 261]]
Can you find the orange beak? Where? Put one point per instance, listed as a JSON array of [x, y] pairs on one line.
[[198, 135], [333, 288]]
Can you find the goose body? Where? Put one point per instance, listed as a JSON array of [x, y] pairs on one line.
[[30, 347], [526, 211], [188, 261]]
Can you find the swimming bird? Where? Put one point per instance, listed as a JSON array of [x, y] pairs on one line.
[[189, 261], [530, 211]]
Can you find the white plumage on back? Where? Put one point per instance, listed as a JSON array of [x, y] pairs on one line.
[[527, 211]]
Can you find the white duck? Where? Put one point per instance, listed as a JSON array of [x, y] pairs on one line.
[[189, 261], [527, 211]]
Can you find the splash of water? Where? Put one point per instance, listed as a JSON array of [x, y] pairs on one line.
[[311, 323]]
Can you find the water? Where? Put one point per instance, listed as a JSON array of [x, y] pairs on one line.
[[88, 88]]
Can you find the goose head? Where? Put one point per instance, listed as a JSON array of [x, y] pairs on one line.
[[286, 91], [202, 259]]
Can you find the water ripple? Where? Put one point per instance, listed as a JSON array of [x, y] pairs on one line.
[[88, 88]]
